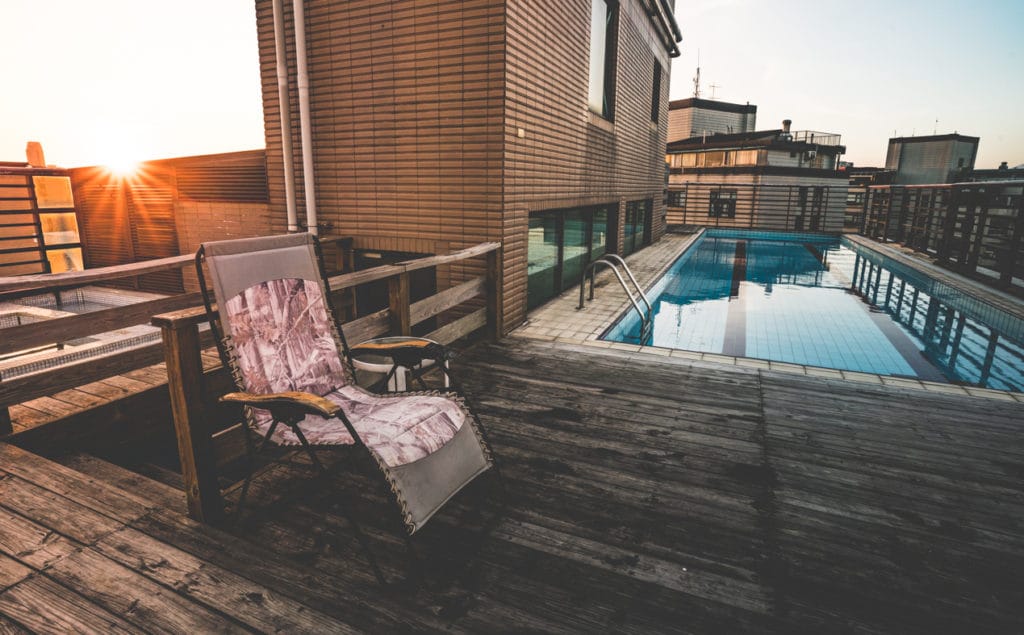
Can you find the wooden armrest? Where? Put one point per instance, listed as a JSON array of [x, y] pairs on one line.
[[410, 349], [303, 400]]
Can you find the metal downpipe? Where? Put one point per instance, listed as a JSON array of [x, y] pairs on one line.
[[305, 126], [284, 106]]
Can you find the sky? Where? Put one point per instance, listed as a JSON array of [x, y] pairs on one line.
[[109, 81], [865, 69]]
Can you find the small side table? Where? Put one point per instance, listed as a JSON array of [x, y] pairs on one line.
[[400, 358]]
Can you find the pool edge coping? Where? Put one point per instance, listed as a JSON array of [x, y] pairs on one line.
[[754, 364]]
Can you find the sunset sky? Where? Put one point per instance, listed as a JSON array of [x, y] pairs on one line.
[[114, 80]]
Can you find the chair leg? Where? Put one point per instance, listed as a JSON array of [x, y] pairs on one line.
[[309, 449], [250, 457]]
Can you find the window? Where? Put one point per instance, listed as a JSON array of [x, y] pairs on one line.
[[636, 231], [603, 22], [688, 160], [656, 93], [560, 244], [677, 198], [714, 159], [745, 157], [723, 204]]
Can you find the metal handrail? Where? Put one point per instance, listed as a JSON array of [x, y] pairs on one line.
[[608, 260], [639, 289]]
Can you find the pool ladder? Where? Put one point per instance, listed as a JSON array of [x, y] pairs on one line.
[[615, 262]]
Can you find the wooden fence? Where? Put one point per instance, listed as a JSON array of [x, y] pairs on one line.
[[202, 444]]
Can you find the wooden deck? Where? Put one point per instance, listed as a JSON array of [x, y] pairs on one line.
[[646, 495]]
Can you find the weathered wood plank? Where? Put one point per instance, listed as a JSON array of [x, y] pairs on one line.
[[69, 279], [11, 571], [46, 607], [97, 496], [62, 329], [136, 599], [165, 496], [55, 512], [435, 304], [40, 384], [30, 543], [9, 627], [256, 606], [367, 327], [260, 564], [459, 328]]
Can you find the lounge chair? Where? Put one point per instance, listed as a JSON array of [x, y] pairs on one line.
[[292, 367]]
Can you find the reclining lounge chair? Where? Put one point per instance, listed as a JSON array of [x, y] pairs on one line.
[[277, 333]]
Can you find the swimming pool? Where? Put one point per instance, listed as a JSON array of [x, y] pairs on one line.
[[821, 300]]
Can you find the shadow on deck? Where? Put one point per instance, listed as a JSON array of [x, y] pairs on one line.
[[647, 494]]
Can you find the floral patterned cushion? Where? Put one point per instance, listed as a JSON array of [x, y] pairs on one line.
[[283, 338], [400, 429]]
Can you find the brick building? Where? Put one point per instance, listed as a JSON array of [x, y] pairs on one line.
[[770, 179], [436, 125]]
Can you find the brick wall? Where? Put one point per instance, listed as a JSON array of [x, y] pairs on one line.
[[416, 109], [201, 221], [567, 155]]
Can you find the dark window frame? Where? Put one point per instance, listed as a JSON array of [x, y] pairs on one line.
[[722, 203], [656, 94]]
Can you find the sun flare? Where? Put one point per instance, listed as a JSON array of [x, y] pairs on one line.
[[122, 167]]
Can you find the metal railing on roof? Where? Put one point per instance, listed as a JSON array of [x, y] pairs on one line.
[[820, 138]]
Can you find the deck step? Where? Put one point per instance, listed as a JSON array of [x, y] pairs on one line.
[[154, 489]]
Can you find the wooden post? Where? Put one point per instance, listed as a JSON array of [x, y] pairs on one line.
[[195, 447], [495, 319], [6, 427], [398, 303]]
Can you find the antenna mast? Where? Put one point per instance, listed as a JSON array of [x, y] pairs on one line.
[[696, 78]]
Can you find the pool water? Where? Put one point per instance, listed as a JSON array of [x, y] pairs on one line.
[[818, 300]]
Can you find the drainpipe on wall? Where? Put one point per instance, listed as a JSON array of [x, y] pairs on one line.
[[281, 62], [308, 182]]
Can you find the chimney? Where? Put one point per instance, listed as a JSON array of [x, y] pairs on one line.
[[34, 154], [786, 123]]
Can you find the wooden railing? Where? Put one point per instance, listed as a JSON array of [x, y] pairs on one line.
[[64, 329], [204, 446], [180, 316]]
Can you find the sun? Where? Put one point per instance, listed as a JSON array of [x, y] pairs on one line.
[[122, 167], [120, 155]]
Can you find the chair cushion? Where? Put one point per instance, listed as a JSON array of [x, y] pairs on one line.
[[399, 428]]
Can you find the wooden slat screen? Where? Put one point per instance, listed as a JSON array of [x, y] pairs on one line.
[[20, 235]]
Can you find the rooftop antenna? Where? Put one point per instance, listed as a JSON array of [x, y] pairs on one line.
[[936, 129], [713, 87], [696, 78]]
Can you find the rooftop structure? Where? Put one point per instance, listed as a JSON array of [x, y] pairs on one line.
[[796, 169], [931, 159], [38, 226], [696, 117]]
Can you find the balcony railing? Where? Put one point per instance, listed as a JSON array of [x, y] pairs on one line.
[[820, 138]]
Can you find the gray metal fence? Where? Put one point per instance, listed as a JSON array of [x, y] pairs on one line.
[[973, 228]]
